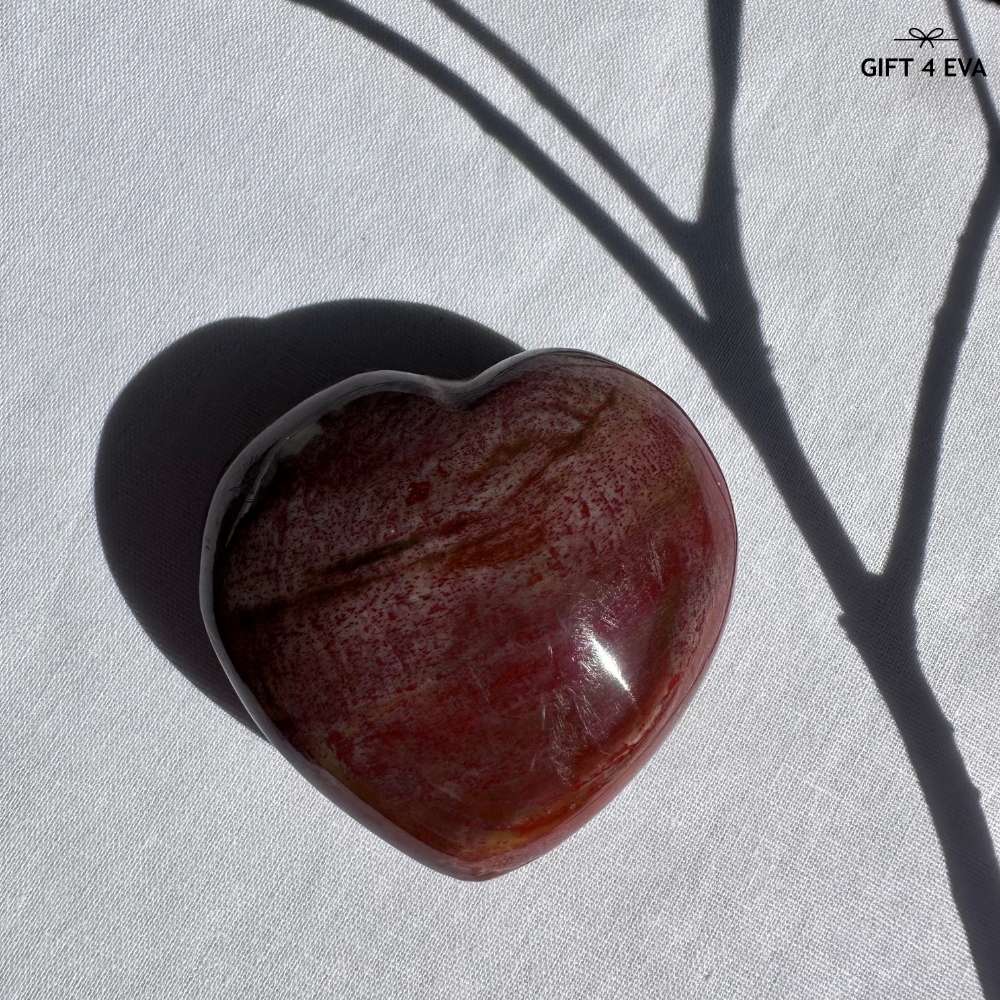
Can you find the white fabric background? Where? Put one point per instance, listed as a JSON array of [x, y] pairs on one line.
[[167, 165]]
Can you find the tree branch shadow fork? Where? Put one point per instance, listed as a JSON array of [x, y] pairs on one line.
[[878, 608]]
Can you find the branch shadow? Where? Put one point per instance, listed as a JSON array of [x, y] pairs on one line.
[[179, 422], [878, 608]]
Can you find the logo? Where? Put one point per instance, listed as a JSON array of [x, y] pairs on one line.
[[949, 66], [925, 37]]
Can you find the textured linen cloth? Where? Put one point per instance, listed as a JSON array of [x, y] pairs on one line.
[[169, 165]]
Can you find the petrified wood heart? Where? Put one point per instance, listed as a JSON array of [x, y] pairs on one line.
[[468, 612]]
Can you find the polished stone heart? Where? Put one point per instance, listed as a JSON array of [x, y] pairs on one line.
[[469, 612]]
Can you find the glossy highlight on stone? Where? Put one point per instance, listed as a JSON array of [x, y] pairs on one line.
[[469, 612]]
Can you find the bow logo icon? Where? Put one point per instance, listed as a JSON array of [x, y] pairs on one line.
[[923, 38]]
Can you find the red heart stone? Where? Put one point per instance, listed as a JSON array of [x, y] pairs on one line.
[[469, 612]]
